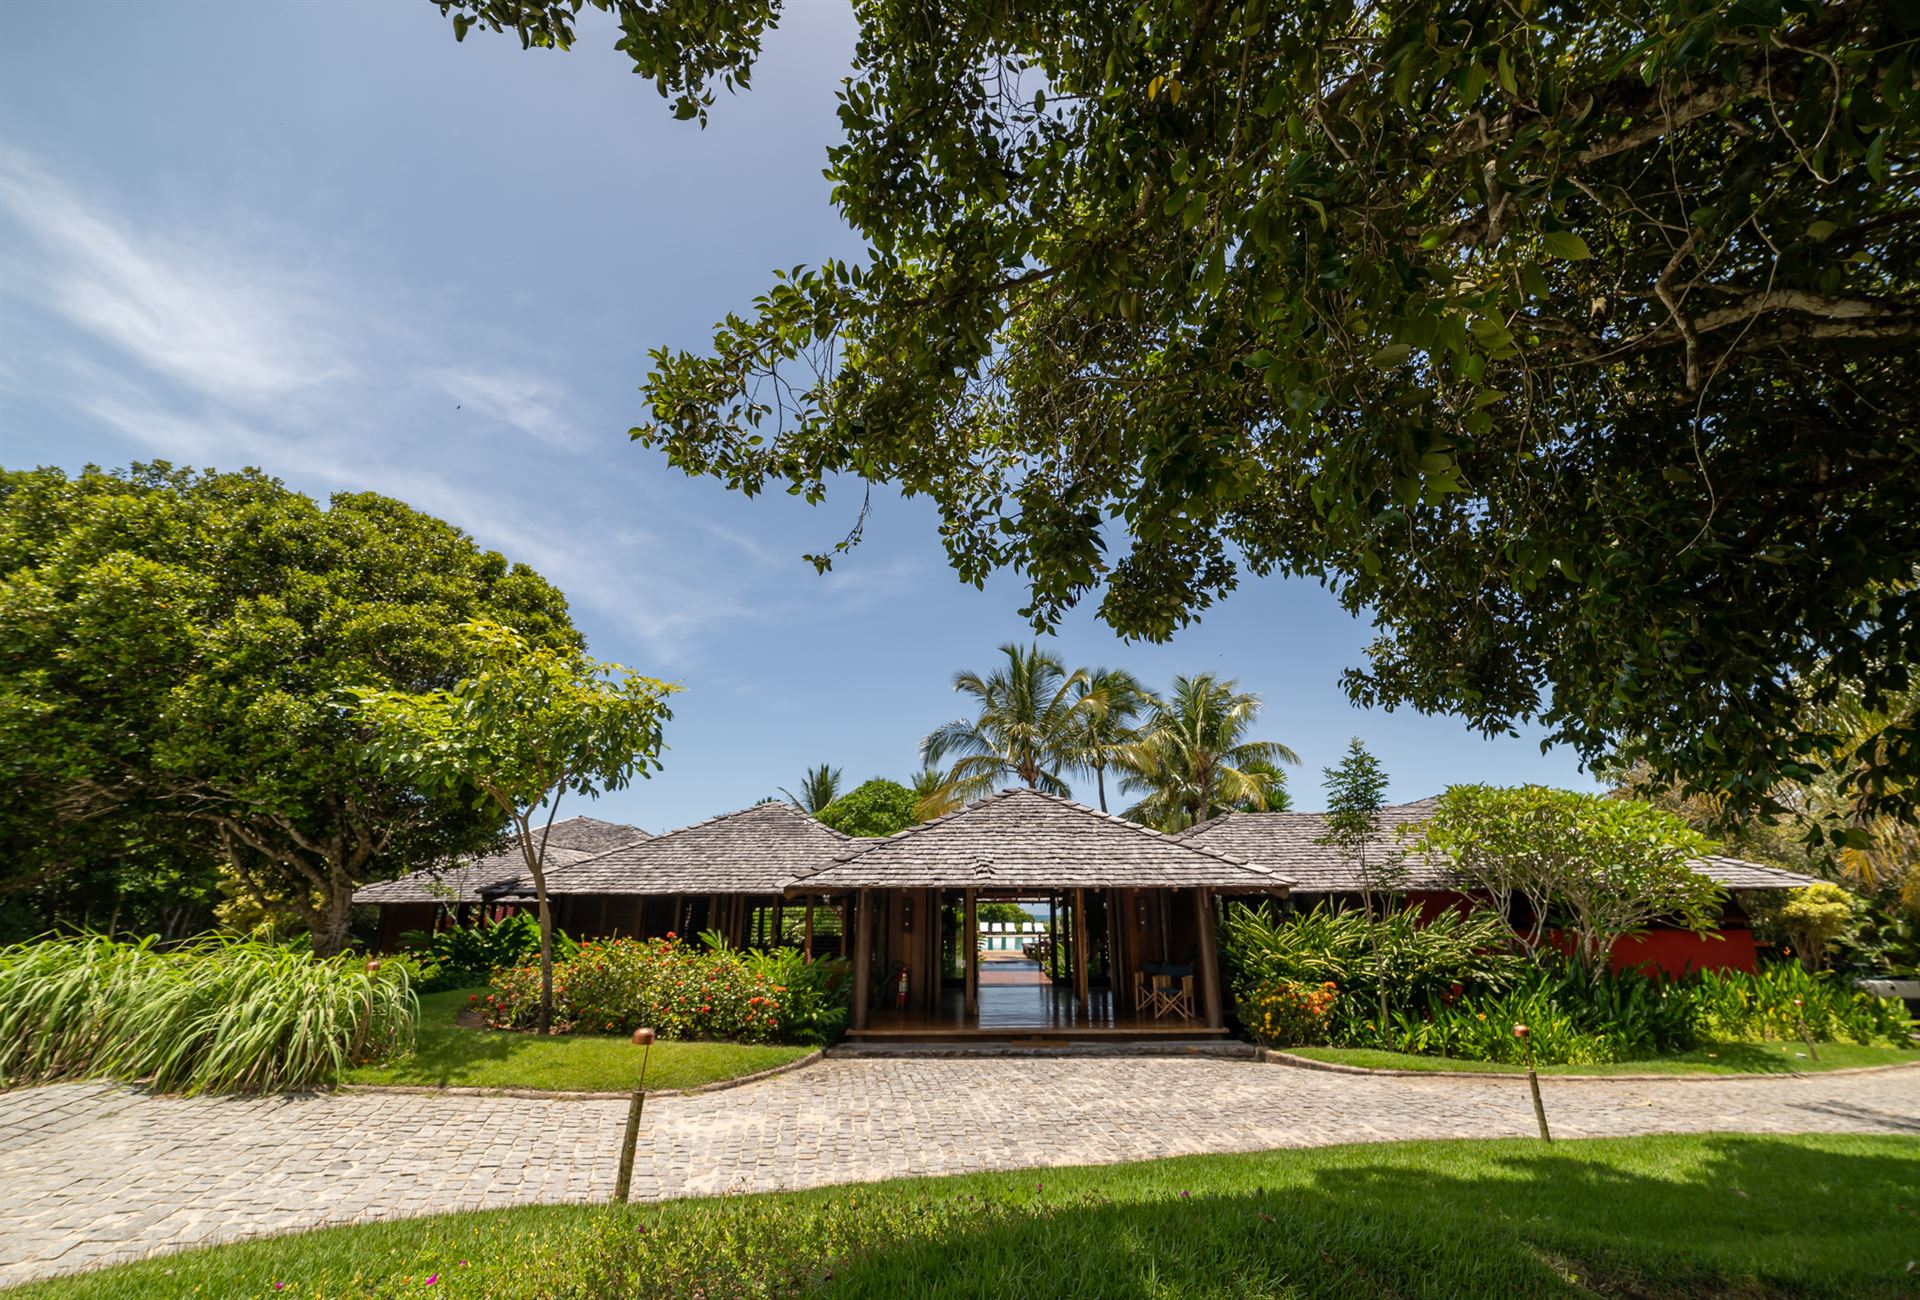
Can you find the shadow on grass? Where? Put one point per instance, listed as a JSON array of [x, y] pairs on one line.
[[1718, 1217]]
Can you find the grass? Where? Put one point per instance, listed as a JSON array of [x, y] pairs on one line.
[[1709, 1217], [1712, 1058], [446, 1054]]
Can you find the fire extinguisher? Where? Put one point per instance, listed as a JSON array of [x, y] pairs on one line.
[[900, 987]]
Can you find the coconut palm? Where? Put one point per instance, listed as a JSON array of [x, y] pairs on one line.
[[818, 788], [932, 796], [1026, 727], [1118, 699], [1193, 758]]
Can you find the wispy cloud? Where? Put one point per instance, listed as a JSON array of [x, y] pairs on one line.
[[526, 402]]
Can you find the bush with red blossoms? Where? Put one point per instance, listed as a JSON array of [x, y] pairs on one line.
[[614, 986]]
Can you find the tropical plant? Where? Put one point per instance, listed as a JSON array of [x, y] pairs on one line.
[[532, 725], [875, 807], [464, 955], [1118, 701], [1545, 335], [818, 788], [213, 1015], [173, 646], [1193, 758], [932, 796], [1814, 918], [1028, 720]]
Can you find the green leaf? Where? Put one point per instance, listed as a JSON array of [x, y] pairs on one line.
[[1565, 245], [1821, 231], [1392, 355]]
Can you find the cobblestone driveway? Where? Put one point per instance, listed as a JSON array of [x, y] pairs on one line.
[[90, 1174]]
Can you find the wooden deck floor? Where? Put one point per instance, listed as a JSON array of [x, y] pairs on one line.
[[1017, 1004]]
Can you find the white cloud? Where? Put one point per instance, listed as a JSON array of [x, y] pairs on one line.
[[527, 402]]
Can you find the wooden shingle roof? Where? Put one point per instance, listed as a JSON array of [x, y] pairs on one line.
[[1289, 843], [472, 880], [757, 850], [1022, 839]]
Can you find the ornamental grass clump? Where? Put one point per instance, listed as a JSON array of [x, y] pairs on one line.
[[215, 1015]]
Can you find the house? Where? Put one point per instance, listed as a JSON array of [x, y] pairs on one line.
[[1131, 911]]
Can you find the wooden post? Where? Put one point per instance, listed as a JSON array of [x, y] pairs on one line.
[[862, 958], [972, 951], [809, 942], [846, 921], [1080, 950], [1209, 959]]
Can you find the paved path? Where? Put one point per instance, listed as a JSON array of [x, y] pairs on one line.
[[91, 1173]]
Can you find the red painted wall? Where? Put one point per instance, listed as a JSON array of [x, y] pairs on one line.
[[1675, 952]]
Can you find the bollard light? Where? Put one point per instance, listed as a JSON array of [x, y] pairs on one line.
[[623, 1185], [1525, 1036]]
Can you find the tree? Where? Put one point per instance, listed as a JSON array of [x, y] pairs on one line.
[[529, 726], [1816, 916], [173, 645], [818, 788], [1027, 724], [876, 807], [1193, 758], [932, 796], [1612, 867], [1356, 792], [1002, 913], [1118, 700], [1563, 341]]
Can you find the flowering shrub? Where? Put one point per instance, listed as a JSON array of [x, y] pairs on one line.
[[1284, 1013], [614, 986]]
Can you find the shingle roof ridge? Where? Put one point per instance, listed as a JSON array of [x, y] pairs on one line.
[[1132, 825], [781, 804]]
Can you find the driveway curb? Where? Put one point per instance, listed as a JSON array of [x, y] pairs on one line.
[[552, 1094], [1276, 1057]]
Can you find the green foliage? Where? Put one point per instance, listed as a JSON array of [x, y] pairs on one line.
[[173, 646], [464, 955], [681, 991], [1772, 1004], [1611, 867], [1284, 1013], [210, 1016], [1508, 1218], [1002, 913], [1194, 757], [1356, 792], [1118, 700], [1029, 721], [1815, 917], [818, 788], [875, 807], [1547, 336]]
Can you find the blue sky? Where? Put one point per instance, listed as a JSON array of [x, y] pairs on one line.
[[328, 241]]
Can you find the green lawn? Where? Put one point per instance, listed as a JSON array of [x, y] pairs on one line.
[[1713, 1058], [447, 1055], [1719, 1216]]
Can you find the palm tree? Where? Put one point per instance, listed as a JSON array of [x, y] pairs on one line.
[[1193, 758], [1026, 727], [818, 788], [1119, 699], [932, 796]]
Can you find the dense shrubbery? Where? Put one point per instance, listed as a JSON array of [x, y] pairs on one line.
[[465, 955], [1455, 988], [211, 1016], [1285, 1013], [681, 991]]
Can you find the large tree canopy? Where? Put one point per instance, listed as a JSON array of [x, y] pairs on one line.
[[1574, 343], [175, 651]]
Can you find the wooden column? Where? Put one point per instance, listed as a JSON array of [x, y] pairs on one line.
[[1080, 950], [846, 920], [1209, 959], [1121, 979], [972, 952], [862, 959], [809, 939]]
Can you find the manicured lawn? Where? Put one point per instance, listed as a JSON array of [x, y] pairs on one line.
[[1702, 1216], [448, 1055], [1713, 1058]]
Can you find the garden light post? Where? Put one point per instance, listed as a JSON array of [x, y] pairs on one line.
[[643, 1039], [1522, 1033], [1800, 1014]]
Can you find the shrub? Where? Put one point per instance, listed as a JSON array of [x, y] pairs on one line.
[[1814, 918], [618, 985], [469, 954], [1283, 1013], [1738, 1005], [216, 1015]]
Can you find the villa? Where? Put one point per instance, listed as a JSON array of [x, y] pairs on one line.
[[1129, 950]]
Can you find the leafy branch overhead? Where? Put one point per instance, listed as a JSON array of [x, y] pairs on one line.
[[1566, 343]]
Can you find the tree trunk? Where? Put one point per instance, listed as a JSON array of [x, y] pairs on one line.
[[1100, 780], [330, 935], [544, 1024]]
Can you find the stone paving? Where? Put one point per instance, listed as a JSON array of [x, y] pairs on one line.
[[91, 1174]]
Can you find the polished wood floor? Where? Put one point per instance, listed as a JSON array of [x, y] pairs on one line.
[[1024, 1003]]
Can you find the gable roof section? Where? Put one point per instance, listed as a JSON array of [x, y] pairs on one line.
[[1289, 843], [1022, 839], [472, 880], [757, 850]]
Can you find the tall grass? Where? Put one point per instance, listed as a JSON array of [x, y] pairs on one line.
[[215, 1015]]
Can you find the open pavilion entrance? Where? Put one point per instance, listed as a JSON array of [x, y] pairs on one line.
[[933, 972]]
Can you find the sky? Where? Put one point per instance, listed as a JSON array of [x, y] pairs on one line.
[[330, 242]]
